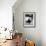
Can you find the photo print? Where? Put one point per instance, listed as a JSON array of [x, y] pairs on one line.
[[29, 19]]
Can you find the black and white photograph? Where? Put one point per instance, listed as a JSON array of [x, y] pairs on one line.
[[29, 19]]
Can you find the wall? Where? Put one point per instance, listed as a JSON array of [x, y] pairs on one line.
[[6, 13], [43, 22], [28, 6]]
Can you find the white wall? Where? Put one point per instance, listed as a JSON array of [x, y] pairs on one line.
[[38, 33], [43, 22], [29, 6], [6, 13]]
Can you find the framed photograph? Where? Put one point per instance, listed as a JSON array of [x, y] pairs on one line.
[[29, 19]]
